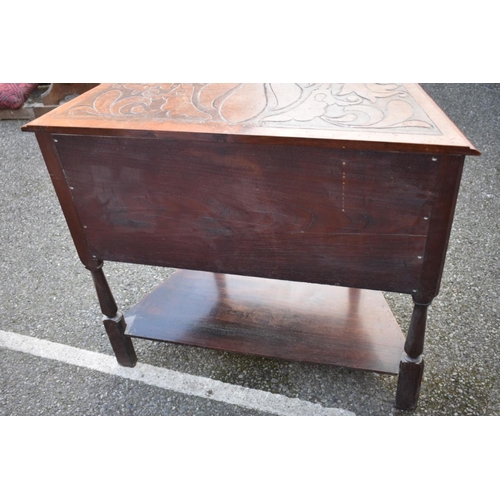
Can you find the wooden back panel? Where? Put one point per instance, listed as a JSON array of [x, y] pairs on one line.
[[341, 217]]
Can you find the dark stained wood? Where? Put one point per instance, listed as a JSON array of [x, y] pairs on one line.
[[104, 295], [333, 184], [411, 367], [347, 218], [409, 383], [414, 344], [280, 319], [63, 191], [122, 345], [448, 184], [113, 320]]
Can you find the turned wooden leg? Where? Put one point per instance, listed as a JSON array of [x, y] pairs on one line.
[[113, 320], [411, 367]]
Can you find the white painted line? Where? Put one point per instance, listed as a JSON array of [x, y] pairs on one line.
[[191, 385]]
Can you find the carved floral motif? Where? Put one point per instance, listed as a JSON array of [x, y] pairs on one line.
[[341, 106]]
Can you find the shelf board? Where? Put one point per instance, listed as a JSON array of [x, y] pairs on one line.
[[279, 319]]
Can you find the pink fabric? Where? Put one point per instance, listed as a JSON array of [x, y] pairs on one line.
[[14, 95]]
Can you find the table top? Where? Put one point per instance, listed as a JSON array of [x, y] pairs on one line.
[[392, 117]]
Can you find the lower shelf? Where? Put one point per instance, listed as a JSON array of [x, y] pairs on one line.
[[279, 319]]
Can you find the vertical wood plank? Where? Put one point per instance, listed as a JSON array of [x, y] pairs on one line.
[[63, 192], [441, 219]]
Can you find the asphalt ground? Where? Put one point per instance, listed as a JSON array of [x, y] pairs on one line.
[[47, 295]]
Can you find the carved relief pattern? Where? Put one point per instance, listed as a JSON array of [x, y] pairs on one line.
[[375, 107]]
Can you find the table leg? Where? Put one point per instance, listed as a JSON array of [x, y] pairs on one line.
[[113, 320], [411, 367]]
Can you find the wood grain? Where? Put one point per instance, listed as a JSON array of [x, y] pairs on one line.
[[324, 184], [441, 219], [279, 319], [63, 192], [352, 218], [389, 117]]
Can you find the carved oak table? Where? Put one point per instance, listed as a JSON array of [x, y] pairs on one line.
[[287, 209]]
